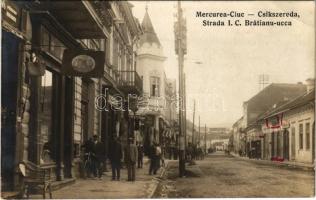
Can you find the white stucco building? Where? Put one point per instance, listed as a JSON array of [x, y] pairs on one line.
[[157, 89]]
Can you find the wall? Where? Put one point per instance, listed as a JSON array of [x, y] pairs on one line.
[[305, 115]]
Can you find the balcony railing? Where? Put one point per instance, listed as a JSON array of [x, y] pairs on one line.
[[130, 82]]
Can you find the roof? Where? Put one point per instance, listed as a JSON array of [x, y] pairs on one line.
[[297, 102], [239, 120], [283, 86], [149, 35]]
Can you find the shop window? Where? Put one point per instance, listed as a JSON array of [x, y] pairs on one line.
[[154, 86], [51, 44], [301, 136], [56, 48], [46, 116], [307, 135]]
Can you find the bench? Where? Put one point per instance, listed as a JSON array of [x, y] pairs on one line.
[[35, 177]]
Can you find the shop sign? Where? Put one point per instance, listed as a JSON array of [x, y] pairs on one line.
[[274, 122], [85, 63], [285, 124], [11, 13]]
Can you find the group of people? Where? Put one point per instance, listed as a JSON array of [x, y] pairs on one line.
[[193, 152], [94, 157], [131, 153], [155, 156]]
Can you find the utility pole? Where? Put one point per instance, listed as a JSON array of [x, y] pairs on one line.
[[180, 48], [205, 140], [193, 122], [185, 111], [199, 132]]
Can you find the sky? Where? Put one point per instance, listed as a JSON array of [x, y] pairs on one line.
[[232, 58]]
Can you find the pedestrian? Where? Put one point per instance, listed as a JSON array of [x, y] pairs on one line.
[[131, 158], [151, 155], [88, 162], [140, 151], [99, 151], [162, 158], [115, 157], [157, 158]]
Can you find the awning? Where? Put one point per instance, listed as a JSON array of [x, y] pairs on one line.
[[78, 17]]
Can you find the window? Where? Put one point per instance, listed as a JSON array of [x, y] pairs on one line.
[[51, 44], [307, 132], [116, 53], [154, 86], [293, 142], [301, 136], [46, 116]]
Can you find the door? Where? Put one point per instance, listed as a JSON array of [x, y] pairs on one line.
[[272, 145], [286, 145], [9, 85], [293, 150]]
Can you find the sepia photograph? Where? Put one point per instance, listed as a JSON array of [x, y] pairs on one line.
[[157, 99]]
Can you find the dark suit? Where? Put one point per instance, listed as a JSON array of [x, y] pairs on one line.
[[115, 157], [130, 160], [140, 150], [99, 154]]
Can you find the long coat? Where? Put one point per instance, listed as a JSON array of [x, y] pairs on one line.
[[131, 154], [115, 152]]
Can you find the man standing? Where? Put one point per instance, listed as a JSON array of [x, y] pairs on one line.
[[140, 150], [99, 153], [151, 155], [131, 158], [115, 157], [88, 161]]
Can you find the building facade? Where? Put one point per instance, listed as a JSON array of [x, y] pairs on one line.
[[158, 111], [289, 130], [255, 107], [47, 116]]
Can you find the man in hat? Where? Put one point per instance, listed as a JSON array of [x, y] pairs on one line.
[[99, 154], [131, 158], [115, 158]]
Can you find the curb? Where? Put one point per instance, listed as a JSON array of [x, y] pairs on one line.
[[276, 164], [157, 182]]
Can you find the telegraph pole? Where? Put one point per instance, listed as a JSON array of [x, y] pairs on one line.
[[193, 122], [205, 140], [199, 132], [180, 48], [185, 111]]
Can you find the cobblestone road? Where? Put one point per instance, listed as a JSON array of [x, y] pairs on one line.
[[226, 176]]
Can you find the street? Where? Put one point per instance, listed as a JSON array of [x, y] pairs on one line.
[[220, 175]]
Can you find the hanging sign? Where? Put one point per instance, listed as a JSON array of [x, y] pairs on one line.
[[275, 122], [84, 63]]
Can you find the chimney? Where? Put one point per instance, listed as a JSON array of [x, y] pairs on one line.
[[310, 83]]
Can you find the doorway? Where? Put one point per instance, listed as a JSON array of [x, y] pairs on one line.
[[286, 147], [9, 88], [293, 150]]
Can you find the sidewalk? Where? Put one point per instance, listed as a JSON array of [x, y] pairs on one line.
[[143, 187], [289, 164]]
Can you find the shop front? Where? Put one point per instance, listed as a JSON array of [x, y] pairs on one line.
[[50, 142]]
